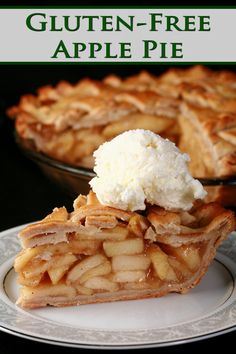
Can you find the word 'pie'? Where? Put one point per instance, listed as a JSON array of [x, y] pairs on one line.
[[98, 253], [194, 107]]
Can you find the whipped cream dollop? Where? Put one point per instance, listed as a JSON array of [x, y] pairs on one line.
[[139, 166]]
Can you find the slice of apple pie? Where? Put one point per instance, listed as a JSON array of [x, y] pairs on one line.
[[98, 253]]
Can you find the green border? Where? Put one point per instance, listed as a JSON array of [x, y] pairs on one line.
[[122, 62], [117, 7]]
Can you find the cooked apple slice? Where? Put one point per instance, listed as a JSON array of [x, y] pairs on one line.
[[129, 276], [102, 269], [62, 260], [85, 247], [35, 268], [128, 247], [189, 255], [134, 262], [171, 275], [88, 263], [56, 274], [24, 257], [180, 269], [160, 263], [38, 268], [100, 283]]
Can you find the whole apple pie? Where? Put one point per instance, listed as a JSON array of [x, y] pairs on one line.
[[194, 107], [99, 253]]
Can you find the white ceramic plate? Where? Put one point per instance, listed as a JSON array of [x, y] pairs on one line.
[[208, 310]]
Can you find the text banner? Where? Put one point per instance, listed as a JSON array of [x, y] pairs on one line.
[[117, 35]]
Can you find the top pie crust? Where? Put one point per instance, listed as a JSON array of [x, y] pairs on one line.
[[189, 106]]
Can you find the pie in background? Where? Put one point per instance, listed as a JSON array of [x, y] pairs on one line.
[[68, 122], [98, 253]]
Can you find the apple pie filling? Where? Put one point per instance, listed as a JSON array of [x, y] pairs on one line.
[[96, 265]]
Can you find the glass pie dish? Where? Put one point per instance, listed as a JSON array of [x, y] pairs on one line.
[[74, 179]]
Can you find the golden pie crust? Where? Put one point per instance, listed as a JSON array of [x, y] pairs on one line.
[[193, 107], [99, 254]]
